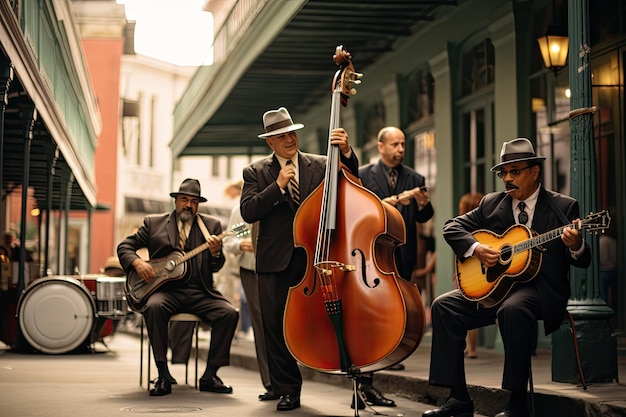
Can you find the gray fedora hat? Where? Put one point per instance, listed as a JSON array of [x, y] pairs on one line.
[[517, 150], [190, 187], [277, 122]]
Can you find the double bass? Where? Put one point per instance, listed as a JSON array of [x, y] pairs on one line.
[[351, 312]]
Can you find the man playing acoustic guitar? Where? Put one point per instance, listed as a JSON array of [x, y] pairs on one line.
[[183, 288], [541, 293]]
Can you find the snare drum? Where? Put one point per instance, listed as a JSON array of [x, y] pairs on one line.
[[56, 314], [110, 296]]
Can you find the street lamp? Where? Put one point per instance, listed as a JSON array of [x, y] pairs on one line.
[[553, 46]]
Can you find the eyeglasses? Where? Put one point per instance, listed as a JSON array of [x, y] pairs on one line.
[[514, 172]]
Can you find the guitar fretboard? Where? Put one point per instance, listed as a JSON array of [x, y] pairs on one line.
[[538, 240]]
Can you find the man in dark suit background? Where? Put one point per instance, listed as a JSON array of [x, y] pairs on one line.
[[388, 178], [544, 298], [183, 229], [417, 208], [269, 198]]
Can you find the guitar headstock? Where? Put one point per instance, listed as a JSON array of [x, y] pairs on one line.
[[240, 230], [346, 76], [596, 222]]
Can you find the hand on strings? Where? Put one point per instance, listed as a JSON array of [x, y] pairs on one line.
[[339, 137], [572, 238], [144, 270], [487, 255], [215, 245]]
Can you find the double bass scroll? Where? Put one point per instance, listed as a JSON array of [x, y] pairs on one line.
[[351, 312]]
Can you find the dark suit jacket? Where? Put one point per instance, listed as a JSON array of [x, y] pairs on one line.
[[374, 178], [263, 201], [495, 213], [159, 233]]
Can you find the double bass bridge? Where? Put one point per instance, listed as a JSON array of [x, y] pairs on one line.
[[326, 267]]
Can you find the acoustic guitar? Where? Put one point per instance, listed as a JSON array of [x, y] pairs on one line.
[[172, 267], [520, 259]]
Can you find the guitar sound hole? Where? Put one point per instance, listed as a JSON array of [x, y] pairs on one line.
[[505, 254]]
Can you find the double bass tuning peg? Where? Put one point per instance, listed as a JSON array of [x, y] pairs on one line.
[[355, 79]]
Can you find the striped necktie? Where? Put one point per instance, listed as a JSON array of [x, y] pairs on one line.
[[182, 236], [295, 189]]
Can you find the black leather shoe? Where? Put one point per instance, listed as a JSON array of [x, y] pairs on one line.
[[173, 380], [268, 396], [288, 402], [396, 367], [452, 408], [514, 413], [162, 386], [215, 384], [374, 397]]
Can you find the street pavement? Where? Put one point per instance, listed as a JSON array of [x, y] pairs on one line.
[[106, 384]]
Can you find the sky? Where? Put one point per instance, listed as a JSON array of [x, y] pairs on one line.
[[175, 31]]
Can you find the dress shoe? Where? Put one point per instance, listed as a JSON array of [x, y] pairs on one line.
[[374, 397], [214, 384], [514, 413], [396, 367], [288, 402], [452, 408], [268, 396], [162, 386], [173, 380]]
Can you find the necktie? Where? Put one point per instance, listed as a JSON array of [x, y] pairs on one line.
[[523, 216], [393, 178], [182, 236], [295, 190]]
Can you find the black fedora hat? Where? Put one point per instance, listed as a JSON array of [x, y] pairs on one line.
[[190, 187], [517, 150]]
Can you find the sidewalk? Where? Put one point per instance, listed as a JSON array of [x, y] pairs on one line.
[[104, 383], [484, 376]]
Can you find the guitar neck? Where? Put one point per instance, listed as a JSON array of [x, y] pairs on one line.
[[539, 240], [198, 249]]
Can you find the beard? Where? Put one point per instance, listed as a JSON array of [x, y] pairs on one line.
[[186, 215]]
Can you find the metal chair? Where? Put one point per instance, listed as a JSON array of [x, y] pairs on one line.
[[175, 317]]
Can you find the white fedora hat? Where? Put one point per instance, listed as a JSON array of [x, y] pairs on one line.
[[277, 122], [517, 150]]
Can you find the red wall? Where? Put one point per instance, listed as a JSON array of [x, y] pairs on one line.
[[103, 59]]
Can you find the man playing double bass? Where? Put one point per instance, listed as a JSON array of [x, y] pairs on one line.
[[273, 189], [388, 178]]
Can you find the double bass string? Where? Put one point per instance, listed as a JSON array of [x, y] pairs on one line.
[[328, 218]]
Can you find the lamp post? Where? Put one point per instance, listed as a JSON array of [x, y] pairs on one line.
[[591, 316]]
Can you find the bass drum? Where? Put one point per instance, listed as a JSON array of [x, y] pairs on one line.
[[56, 314]]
